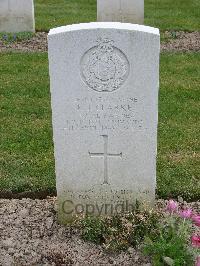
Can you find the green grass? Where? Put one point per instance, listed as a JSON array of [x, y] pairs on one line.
[[26, 138], [179, 126], [164, 14], [27, 162], [51, 13], [173, 15]]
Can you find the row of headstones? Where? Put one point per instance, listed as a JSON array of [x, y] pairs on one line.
[[104, 79], [18, 15]]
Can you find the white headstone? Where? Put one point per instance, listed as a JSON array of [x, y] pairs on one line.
[[17, 16], [104, 91], [131, 11]]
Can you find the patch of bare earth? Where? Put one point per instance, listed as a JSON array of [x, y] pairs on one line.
[[175, 42], [182, 41], [30, 235], [38, 43]]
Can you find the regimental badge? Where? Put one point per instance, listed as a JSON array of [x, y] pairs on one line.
[[104, 68]]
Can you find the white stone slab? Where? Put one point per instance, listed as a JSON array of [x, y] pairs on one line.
[[17, 16], [131, 11], [104, 93]]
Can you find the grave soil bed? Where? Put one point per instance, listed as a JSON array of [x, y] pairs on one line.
[[30, 235], [173, 41]]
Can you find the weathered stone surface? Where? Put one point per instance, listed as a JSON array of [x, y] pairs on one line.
[[131, 11], [17, 16], [104, 91]]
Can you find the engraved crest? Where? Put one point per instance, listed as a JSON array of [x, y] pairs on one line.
[[104, 67]]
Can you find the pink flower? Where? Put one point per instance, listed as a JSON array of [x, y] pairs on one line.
[[172, 206], [197, 261], [195, 241], [186, 214], [196, 219]]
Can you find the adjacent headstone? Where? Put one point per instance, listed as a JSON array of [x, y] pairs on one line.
[[17, 16], [129, 11], [104, 91]]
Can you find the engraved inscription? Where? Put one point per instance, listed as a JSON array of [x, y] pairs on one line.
[[114, 195], [102, 113], [105, 155], [104, 68]]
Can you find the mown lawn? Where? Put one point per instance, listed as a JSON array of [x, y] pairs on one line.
[[164, 14], [26, 138], [179, 126], [27, 162]]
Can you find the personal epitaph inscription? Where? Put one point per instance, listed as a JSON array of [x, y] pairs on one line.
[[105, 155], [104, 67], [104, 98]]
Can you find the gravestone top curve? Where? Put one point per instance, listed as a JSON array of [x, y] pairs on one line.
[[104, 25]]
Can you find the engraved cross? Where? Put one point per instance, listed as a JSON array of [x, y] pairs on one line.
[[105, 155]]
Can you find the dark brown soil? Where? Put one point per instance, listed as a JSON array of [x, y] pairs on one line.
[[5, 194], [173, 41]]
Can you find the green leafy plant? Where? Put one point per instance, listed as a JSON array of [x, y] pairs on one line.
[[174, 34], [121, 231], [171, 246], [168, 244], [94, 229]]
